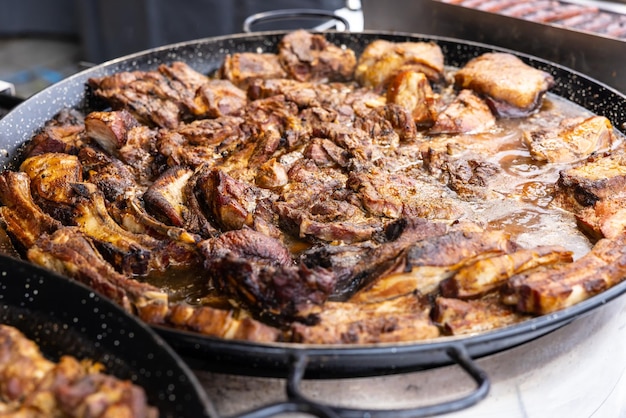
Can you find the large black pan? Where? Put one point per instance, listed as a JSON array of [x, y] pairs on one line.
[[297, 361]]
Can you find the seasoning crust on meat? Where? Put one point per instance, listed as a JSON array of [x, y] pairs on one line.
[[311, 195]]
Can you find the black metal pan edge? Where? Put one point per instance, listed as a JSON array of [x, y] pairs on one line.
[[66, 317]]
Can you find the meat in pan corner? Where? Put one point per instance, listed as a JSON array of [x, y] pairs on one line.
[[310, 195]]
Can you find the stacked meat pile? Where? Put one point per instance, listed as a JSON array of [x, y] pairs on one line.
[[33, 386], [310, 195]]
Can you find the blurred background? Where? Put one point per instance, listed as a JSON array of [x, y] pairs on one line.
[[44, 41]]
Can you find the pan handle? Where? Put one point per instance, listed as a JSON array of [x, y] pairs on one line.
[[457, 353], [288, 14]]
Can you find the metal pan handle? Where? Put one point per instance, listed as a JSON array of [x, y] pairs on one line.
[[289, 14], [457, 353]]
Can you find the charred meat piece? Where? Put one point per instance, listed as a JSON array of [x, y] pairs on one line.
[[63, 133], [69, 252], [430, 261], [400, 319], [583, 186], [244, 67], [220, 323], [35, 386], [310, 57], [315, 205], [553, 288], [382, 60], [574, 140], [356, 266], [110, 129], [200, 142], [595, 192], [24, 220], [112, 177], [510, 87], [467, 173], [165, 198], [412, 90], [467, 114], [233, 204], [217, 98], [396, 195], [51, 178], [488, 274], [256, 271], [162, 98], [462, 317]]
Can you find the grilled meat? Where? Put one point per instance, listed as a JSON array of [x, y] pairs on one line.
[[412, 91], [429, 262], [161, 98], [304, 196], [510, 87], [34, 386], [400, 319], [595, 192], [243, 68], [461, 317], [309, 57], [110, 129], [488, 274], [69, 252], [63, 133], [575, 140], [467, 114], [382, 60], [549, 289], [23, 219]]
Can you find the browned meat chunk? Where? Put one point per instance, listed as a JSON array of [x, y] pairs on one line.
[[163, 98], [67, 251], [488, 274], [396, 195], [551, 289], [583, 186], [265, 286], [382, 60], [110, 129], [459, 317], [217, 98], [24, 221], [356, 266], [245, 67], [400, 319], [467, 114], [511, 87], [200, 142], [220, 323], [33, 386], [51, 178], [412, 90], [595, 192], [315, 205], [166, 199], [309, 57], [574, 140], [63, 133], [430, 261]]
